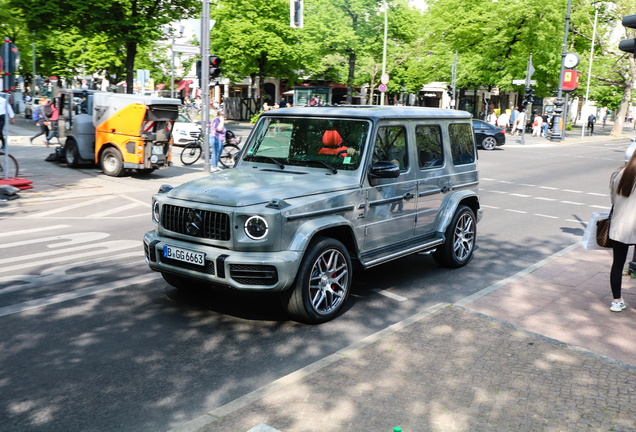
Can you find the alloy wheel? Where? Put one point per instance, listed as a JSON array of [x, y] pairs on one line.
[[464, 237], [328, 281], [489, 143]]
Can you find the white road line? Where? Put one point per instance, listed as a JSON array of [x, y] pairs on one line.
[[492, 207], [75, 238], [488, 179], [113, 210], [576, 221], [548, 187], [102, 249], [59, 298], [570, 190], [545, 199], [389, 294], [138, 201], [520, 195], [571, 202], [598, 194], [546, 216], [528, 185], [72, 206], [515, 211], [507, 182], [34, 230], [499, 192], [600, 207]]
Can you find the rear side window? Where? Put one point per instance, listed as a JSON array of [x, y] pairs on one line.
[[461, 142], [429, 146], [390, 145]]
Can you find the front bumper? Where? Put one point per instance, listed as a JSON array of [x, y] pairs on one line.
[[245, 271]]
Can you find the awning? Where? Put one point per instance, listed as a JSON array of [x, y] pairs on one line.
[[287, 93], [183, 84]]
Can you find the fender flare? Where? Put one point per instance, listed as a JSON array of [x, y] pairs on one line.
[[449, 207], [307, 231]]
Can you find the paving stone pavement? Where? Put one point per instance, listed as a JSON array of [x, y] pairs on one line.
[[540, 353]]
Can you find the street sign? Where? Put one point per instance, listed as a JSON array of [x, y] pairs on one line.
[[385, 78], [382, 88], [522, 82], [187, 49]]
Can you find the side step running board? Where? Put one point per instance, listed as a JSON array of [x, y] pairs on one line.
[[375, 259]]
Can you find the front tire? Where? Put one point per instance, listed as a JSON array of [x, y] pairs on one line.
[[191, 153], [322, 284], [489, 143], [461, 235], [71, 154], [111, 162]]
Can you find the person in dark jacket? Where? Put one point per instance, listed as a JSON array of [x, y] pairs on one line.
[[590, 123], [41, 121]]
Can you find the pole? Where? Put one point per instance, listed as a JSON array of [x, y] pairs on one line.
[[6, 108], [528, 106], [454, 79], [386, 25], [205, 79], [172, 70], [33, 79], [556, 135], [565, 115], [589, 75]]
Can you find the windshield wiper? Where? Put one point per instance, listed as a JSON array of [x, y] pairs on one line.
[[276, 161], [333, 170]]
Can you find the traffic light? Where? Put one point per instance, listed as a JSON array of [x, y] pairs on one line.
[[528, 96], [199, 73], [628, 45], [215, 67], [450, 90]]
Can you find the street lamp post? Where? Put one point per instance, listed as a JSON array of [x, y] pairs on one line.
[[172, 69], [386, 22], [556, 134]]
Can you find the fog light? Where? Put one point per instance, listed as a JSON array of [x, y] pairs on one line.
[[256, 228]]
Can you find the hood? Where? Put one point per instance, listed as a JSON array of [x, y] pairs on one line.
[[244, 186]]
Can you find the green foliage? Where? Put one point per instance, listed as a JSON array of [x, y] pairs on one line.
[[255, 117], [608, 97]]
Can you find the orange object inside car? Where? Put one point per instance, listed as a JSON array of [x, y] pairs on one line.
[[332, 142]]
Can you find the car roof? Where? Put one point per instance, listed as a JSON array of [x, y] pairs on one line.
[[369, 112]]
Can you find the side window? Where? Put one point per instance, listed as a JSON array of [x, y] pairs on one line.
[[461, 142], [390, 145], [429, 146]]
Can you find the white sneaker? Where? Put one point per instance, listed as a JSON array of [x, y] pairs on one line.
[[617, 306]]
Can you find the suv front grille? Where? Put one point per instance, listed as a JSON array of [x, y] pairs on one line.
[[254, 274], [207, 268], [215, 226]]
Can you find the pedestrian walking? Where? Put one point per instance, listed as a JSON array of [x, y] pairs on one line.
[[521, 122], [217, 135], [513, 119], [537, 125], [623, 225], [53, 125], [545, 119], [502, 121], [5, 111], [590, 123], [492, 118], [604, 120], [40, 118]]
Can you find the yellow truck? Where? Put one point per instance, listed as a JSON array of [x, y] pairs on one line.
[[120, 132]]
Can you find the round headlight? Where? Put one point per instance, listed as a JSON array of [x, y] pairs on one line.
[[256, 228], [155, 212]]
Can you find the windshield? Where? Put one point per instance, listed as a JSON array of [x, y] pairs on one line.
[[303, 141]]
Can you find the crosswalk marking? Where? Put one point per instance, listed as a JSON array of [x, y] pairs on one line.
[[113, 210], [74, 238], [34, 230], [72, 206]]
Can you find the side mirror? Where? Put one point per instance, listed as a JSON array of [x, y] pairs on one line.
[[384, 169]]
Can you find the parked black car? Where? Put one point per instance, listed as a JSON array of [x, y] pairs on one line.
[[488, 136]]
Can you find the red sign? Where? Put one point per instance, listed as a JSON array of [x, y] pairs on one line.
[[570, 80]]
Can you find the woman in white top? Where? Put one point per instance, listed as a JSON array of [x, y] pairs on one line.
[[623, 225], [537, 125], [521, 122], [492, 118]]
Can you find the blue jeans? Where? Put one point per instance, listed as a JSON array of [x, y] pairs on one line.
[[216, 147], [545, 128]]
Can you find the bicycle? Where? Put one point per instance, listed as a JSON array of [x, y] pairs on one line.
[[192, 151], [13, 168]]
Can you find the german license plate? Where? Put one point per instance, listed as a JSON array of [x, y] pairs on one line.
[[184, 255], [158, 150]]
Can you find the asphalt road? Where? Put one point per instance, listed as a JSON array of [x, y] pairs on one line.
[[91, 340]]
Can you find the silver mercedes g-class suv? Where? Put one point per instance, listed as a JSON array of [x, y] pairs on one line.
[[317, 191]]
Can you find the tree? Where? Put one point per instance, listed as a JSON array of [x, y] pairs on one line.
[[254, 38], [125, 25]]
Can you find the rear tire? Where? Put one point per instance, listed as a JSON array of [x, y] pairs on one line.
[[71, 153], [322, 283], [227, 155], [461, 235], [489, 143], [111, 162]]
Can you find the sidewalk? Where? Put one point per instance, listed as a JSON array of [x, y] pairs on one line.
[[539, 351], [573, 136]]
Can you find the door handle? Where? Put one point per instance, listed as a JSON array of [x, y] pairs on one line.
[[408, 196], [445, 188]]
